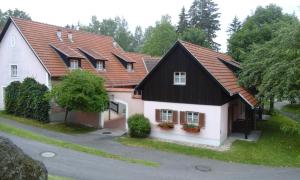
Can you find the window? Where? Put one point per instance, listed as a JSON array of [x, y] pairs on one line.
[[100, 65], [179, 78], [129, 67], [74, 64], [192, 118], [14, 70], [166, 115]]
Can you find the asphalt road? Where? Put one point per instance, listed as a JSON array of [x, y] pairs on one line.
[[88, 167]]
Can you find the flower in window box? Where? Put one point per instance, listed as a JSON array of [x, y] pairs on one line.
[[166, 125], [191, 128]]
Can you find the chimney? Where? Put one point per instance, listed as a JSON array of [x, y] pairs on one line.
[[59, 35], [70, 37]]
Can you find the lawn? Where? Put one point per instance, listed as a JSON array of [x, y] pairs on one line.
[[292, 108], [58, 127], [52, 177], [274, 148], [43, 139]]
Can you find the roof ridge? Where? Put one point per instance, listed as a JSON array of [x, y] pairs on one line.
[[211, 50], [60, 27]]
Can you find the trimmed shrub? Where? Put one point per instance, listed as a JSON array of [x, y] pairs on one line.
[[12, 92], [28, 99], [139, 126]]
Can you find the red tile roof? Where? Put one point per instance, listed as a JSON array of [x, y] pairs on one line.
[[40, 36], [210, 60]]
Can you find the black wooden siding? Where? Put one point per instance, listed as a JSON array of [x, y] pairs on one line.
[[200, 87]]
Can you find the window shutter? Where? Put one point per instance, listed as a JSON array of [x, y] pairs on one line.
[[157, 115], [201, 120], [175, 119], [182, 117]]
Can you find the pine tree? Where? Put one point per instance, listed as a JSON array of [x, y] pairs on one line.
[[234, 26], [183, 21], [203, 14]]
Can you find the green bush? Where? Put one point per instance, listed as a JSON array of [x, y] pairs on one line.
[[28, 99], [139, 126], [11, 96]]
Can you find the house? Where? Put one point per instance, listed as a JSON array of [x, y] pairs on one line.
[[47, 52], [195, 91]]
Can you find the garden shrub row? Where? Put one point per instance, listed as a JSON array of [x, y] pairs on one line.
[[27, 99]]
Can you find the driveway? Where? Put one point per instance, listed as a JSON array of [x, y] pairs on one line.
[[173, 166]]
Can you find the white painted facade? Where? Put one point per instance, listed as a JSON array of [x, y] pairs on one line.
[[213, 134], [14, 50]]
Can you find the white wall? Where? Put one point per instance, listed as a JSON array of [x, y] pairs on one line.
[[15, 50], [224, 121], [209, 135]]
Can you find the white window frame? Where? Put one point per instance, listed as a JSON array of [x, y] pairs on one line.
[[180, 78], [166, 115], [129, 67], [100, 65], [12, 71], [192, 118], [74, 64]]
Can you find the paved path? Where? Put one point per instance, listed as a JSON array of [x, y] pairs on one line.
[[280, 105], [173, 166]]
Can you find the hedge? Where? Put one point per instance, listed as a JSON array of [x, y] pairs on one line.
[[27, 99]]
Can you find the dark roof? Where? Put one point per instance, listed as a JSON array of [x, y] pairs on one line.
[[150, 63]]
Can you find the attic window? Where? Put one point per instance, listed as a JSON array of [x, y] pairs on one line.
[[129, 67], [100, 65], [59, 35], [74, 64], [179, 78]]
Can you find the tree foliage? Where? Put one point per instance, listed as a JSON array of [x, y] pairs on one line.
[[204, 15], [160, 38], [257, 29], [195, 36], [81, 91], [274, 67], [11, 97], [14, 13]]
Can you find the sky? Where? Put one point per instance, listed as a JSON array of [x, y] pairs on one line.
[[137, 12]]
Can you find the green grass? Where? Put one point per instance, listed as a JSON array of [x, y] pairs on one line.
[[274, 148], [57, 127], [292, 108], [43, 139], [52, 177]]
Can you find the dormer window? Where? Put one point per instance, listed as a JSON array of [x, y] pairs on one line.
[[100, 65], [129, 67], [59, 35], [74, 64]]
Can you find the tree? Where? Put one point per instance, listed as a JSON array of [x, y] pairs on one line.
[[274, 67], [116, 28], [257, 29], [138, 39], [160, 38], [195, 36], [183, 23], [204, 15], [81, 91], [14, 13], [234, 26]]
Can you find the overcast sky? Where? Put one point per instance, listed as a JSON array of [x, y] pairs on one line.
[[137, 12]]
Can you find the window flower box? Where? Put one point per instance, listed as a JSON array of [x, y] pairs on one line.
[[191, 128], [166, 125]]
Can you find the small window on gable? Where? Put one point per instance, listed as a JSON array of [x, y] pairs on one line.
[[179, 78], [192, 118], [14, 70], [100, 65], [74, 64], [129, 67], [166, 115]]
